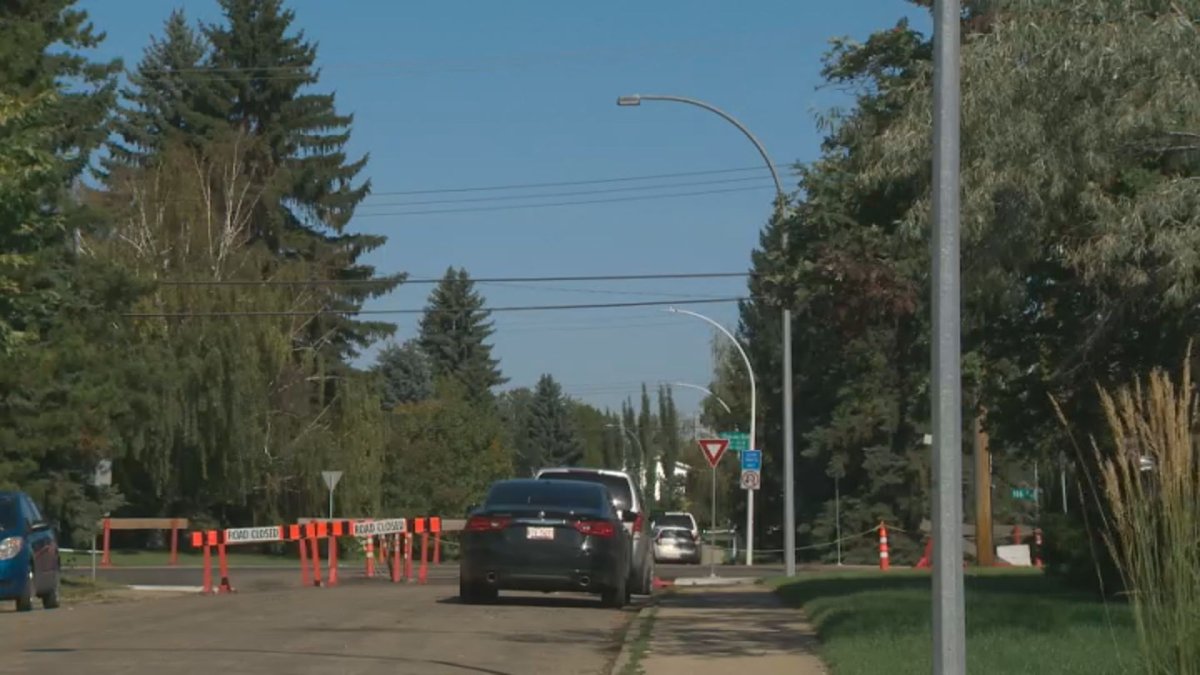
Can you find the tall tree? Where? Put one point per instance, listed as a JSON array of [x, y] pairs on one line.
[[454, 333], [406, 372], [173, 96], [310, 189], [648, 437], [668, 421], [552, 437]]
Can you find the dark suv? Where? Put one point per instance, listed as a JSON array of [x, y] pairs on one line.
[[628, 500]]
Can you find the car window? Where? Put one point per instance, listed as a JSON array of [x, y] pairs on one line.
[[31, 511], [674, 521], [10, 513], [617, 486], [542, 493]]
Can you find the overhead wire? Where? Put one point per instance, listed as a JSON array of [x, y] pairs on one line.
[[427, 310], [437, 280]]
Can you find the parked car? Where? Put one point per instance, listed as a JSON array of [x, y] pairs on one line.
[[29, 563], [545, 535], [678, 519], [628, 500], [676, 544]]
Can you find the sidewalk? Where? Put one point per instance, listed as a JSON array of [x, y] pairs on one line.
[[742, 630]]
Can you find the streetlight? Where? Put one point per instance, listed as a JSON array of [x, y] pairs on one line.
[[706, 390], [753, 416], [789, 499]]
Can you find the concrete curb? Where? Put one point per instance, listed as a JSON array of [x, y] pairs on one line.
[[630, 636], [716, 581], [166, 589]]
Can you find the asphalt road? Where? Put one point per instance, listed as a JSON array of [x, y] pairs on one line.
[[363, 626], [284, 577]]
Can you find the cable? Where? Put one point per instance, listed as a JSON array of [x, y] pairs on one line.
[[577, 202], [567, 183], [577, 193], [438, 280], [593, 291], [517, 308]]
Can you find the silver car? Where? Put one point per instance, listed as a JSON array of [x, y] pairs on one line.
[[628, 500], [676, 545]]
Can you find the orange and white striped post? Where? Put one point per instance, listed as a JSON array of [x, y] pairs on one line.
[[370, 556], [1037, 547], [884, 562]]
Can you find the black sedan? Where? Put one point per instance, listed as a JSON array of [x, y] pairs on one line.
[[545, 535]]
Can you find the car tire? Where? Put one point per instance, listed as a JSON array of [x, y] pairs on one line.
[[25, 602], [646, 583], [468, 593], [616, 596], [51, 600]]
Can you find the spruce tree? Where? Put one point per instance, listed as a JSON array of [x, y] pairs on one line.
[[311, 187], [646, 438], [552, 436], [406, 373], [173, 97], [668, 419], [454, 332]]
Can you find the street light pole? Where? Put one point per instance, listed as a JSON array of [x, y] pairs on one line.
[[706, 390], [949, 613], [789, 467], [753, 420]]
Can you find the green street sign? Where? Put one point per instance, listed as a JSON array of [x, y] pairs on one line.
[[739, 441], [1027, 494]]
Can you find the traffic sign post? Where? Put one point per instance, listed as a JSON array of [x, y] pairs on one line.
[[331, 479], [713, 449], [751, 469]]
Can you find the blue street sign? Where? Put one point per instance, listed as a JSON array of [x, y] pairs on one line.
[[752, 460]]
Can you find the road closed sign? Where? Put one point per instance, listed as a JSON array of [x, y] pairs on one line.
[[251, 535], [375, 527]]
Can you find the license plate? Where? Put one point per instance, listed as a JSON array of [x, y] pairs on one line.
[[539, 533]]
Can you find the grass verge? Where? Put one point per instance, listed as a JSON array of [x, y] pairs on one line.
[[76, 589], [639, 645], [1017, 622], [83, 560]]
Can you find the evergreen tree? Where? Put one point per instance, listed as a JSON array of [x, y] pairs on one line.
[[668, 419], [647, 434], [627, 427], [454, 333], [309, 185], [174, 97], [407, 374], [552, 436]]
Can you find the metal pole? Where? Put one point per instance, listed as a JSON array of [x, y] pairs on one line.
[[789, 512], [949, 613], [837, 517], [712, 535], [753, 422], [331, 503], [1062, 477], [1037, 495]]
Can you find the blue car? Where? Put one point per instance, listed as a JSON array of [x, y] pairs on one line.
[[29, 564]]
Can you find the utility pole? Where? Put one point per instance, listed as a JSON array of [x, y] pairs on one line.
[[984, 550]]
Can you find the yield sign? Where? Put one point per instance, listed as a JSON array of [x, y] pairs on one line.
[[713, 449]]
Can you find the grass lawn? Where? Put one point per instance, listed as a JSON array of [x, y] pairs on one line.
[[76, 589], [83, 559], [1017, 622]]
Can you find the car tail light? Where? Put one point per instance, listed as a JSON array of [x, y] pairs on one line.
[[596, 528], [487, 523], [638, 523]]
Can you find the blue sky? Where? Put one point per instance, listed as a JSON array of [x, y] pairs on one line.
[[469, 94]]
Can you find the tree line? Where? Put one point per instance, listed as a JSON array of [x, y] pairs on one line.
[[1079, 230], [179, 295]]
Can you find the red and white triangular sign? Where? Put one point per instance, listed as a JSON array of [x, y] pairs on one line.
[[713, 449]]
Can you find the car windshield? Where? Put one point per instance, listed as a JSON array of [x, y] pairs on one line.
[[543, 493], [674, 520], [617, 485], [10, 515]]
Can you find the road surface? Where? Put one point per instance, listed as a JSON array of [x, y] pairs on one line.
[[363, 626], [283, 577]]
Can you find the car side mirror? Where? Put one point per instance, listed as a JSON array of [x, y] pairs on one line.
[[627, 516], [41, 526]]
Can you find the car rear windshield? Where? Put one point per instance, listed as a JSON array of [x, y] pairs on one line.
[[540, 493], [10, 515], [675, 521], [617, 485]]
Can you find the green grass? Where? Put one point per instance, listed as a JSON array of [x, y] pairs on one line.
[[640, 645], [1017, 622], [76, 589], [162, 558]]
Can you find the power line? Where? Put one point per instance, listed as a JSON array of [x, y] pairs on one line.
[[568, 183], [578, 202], [576, 193], [438, 280], [515, 308]]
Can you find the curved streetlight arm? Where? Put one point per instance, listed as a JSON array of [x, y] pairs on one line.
[[736, 343], [636, 99], [706, 390]]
